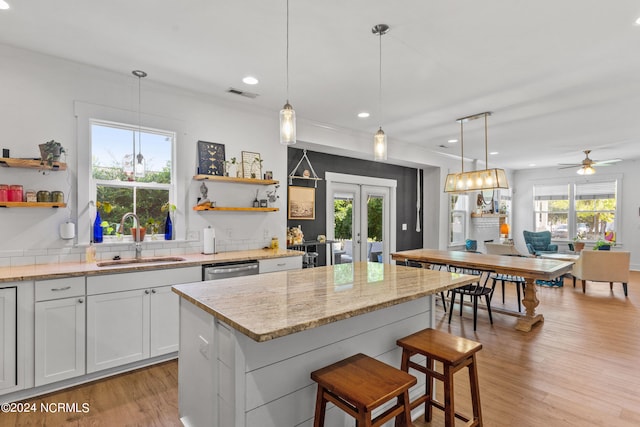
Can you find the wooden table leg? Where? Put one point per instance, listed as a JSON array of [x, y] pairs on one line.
[[530, 303]]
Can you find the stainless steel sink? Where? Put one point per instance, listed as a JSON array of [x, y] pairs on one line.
[[139, 261]]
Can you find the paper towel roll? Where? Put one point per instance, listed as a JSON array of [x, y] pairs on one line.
[[209, 239]]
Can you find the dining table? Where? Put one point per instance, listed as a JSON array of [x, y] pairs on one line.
[[529, 268]]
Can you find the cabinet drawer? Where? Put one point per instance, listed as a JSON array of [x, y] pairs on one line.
[[59, 288], [119, 282], [280, 264]]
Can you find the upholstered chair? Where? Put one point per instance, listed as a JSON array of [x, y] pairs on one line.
[[539, 242], [602, 266]]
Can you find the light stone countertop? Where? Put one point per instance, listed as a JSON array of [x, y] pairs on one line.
[[272, 305], [71, 269]]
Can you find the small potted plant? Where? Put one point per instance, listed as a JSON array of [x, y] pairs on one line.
[[604, 244], [228, 164], [50, 152], [578, 241]]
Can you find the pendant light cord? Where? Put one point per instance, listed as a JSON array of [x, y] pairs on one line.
[[380, 81], [287, 56], [462, 144], [486, 147]]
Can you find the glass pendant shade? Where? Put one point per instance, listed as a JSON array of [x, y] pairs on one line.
[[287, 125], [380, 145], [141, 166], [127, 165], [586, 170]]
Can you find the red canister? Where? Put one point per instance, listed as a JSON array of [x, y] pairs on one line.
[[15, 193], [4, 193]]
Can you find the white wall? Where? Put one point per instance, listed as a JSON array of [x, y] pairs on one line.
[[39, 98], [628, 217]]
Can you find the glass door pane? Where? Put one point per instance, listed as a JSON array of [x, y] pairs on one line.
[[375, 216], [345, 223]]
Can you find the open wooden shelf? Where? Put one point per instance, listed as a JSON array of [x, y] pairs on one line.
[[32, 205], [207, 208], [31, 164], [236, 180]]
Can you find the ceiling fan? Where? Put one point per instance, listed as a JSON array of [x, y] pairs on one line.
[[587, 165]]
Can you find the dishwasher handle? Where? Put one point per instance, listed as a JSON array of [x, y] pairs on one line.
[[226, 270]]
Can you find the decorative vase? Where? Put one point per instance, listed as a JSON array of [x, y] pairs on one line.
[[97, 228], [578, 246], [168, 228]]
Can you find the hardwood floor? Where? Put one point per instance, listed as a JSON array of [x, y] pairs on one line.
[[578, 368]]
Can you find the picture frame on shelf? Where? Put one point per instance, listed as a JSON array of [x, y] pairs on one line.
[[211, 157], [302, 202], [251, 164]]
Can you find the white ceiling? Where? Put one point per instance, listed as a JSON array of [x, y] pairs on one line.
[[559, 76]]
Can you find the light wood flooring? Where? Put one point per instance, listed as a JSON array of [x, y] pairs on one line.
[[579, 368]]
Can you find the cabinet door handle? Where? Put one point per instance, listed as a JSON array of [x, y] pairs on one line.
[[80, 300], [146, 291], [153, 291], [66, 288]]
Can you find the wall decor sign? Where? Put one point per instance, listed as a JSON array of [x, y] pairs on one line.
[[302, 202], [210, 158], [251, 165]]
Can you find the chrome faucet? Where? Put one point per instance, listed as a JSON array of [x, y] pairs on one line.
[[136, 236]]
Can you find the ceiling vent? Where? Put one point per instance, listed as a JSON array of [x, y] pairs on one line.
[[242, 93]]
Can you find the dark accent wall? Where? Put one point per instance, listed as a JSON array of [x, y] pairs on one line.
[[405, 193]]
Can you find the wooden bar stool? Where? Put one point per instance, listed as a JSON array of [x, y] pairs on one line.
[[358, 385], [454, 353]]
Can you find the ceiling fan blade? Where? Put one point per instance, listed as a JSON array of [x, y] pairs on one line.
[[569, 166], [606, 162]]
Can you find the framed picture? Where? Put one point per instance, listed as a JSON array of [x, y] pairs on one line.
[[302, 203], [210, 158], [251, 165]]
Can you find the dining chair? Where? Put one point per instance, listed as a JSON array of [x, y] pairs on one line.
[[475, 290]]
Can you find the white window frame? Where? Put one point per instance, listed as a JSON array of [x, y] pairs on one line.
[[571, 219], [85, 113]]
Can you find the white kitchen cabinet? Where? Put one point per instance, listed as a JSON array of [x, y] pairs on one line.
[[164, 325], [133, 316], [117, 329], [8, 342], [60, 328], [279, 264]]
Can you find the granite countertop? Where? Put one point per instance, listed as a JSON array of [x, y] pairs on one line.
[[272, 305], [71, 269]]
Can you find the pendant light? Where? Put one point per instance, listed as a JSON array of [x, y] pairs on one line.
[[287, 114], [380, 139], [486, 179], [140, 163]]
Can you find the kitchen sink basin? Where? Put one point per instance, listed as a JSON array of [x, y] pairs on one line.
[[138, 261]]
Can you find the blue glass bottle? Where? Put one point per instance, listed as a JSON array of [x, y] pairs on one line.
[[97, 229], [168, 228]]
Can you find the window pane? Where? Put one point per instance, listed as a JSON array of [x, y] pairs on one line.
[[551, 207], [121, 201], [148, 206], [115, 149], [595, 209]]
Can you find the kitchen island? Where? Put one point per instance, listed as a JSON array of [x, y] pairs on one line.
[[249, 344]]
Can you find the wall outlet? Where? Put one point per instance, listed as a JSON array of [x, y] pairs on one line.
[[193, 235], [265, 234], [404, 227]]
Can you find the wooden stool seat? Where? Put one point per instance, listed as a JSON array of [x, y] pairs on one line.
[[454, 353], [360, 384]]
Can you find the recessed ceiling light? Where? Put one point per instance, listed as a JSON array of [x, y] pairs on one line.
[[363, 115], [532, 164], [452, 141], [247, 80], [4, 5], [493, 153], [638, 21]]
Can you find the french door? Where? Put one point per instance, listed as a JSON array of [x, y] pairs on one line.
[[360, 214]]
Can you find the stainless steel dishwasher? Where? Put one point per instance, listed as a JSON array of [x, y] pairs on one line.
[[225, 270]]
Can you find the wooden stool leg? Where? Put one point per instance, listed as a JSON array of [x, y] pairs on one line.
[[475, 391], [428, 389], [321, 406], [449, 412]]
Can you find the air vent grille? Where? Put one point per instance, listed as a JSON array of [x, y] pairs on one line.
[[242, 93]]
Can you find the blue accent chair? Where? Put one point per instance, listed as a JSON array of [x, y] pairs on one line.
[[539, 242]]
